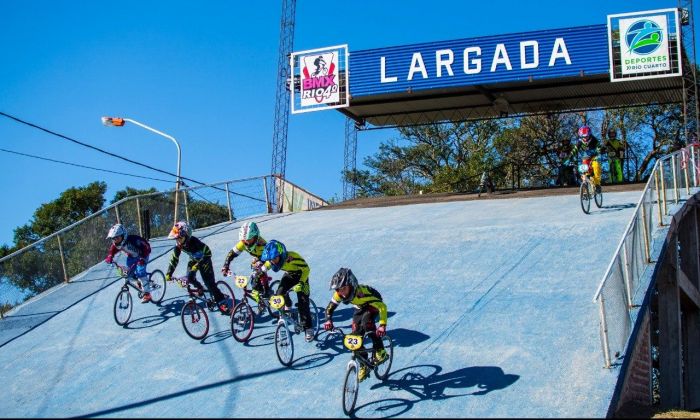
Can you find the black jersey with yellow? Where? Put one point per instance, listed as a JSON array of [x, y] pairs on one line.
[[364, 296]]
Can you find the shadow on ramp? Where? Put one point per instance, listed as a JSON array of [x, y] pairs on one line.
[[426, 382]]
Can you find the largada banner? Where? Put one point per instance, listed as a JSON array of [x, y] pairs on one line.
[[320, 79], [644, 45]]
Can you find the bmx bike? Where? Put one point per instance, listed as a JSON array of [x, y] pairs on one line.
[[123, 304]]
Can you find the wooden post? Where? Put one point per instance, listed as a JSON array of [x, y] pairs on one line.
[[187, 210], [63, 259], [228, 203], [116, 211], [647, 245], [267, 196], [138, 216], [670, 360], [658, 197]]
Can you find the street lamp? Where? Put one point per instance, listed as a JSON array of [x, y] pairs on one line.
[[119, 122]]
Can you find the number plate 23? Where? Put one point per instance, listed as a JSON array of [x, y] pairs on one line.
[[353, 342]]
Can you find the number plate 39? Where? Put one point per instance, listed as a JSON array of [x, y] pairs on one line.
[[277, 301]]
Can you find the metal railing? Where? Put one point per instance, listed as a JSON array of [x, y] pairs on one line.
[[64, 254], [618, 295]]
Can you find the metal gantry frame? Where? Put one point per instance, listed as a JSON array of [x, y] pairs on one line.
[[282, 103], [690, 86]]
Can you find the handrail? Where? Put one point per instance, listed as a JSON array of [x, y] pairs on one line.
[[616, 304]]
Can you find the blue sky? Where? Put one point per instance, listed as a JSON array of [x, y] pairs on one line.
[[205, 73]]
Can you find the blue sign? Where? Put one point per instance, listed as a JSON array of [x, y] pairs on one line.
[[557, 53]]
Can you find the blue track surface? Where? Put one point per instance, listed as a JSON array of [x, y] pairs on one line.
[[489, 302]]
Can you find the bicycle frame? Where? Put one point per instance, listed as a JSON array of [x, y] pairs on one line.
[[126, 273]]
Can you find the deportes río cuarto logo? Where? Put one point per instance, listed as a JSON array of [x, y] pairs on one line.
[[644, 37]]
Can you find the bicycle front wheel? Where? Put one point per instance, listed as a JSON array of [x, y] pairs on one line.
[[351, 385], [242, 322], [284, 344], [158, 285], [229, 298], [584, 193], [315, 321], [598, 197], [381, 371], [194, 320], [122, 307]]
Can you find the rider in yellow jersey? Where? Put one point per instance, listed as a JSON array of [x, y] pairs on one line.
[[249, 240], [368, 304], [275, 257]]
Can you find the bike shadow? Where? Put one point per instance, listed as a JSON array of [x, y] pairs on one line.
[[427, 382], [616, 207], [167, 308], [343, 315]]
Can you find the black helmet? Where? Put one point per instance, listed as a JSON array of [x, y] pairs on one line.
[[344, 277]]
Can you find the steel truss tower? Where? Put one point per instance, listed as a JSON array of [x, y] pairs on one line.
[[350, 158], [690, 86], [279, 134]]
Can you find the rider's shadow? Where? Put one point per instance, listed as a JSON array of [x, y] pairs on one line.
[[402, 337], [616, 207], [167, 309], [428, 383]]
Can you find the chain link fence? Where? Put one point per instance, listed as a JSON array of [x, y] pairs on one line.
[[64, 254], [619, 293]]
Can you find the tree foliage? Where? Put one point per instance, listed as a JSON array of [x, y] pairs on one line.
[[450, 157]]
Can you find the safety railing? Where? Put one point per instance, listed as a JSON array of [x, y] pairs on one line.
[[70, 251], [670, 181]]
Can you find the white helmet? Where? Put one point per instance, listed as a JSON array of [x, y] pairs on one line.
[[116, 231]]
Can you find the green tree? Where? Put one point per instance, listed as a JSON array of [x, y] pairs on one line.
[[40, 268]]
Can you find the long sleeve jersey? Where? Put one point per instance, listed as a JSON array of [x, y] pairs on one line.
[[196, 249], [133, 245], [364, 296], [255, 250], [294, 264]]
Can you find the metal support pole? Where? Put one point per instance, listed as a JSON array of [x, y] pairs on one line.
[[604, 333], [228, 203], [116, 211], [267, 196], [63, 259], [138, 216]]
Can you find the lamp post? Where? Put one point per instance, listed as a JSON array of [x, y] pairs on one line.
[[119, 122]]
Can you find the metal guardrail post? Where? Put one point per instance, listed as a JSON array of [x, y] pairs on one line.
[[138, 216], [658, 198], [63, 259], [626, 275], [662, 178], [116, 212], [645, 229], [674, 170], [228, 203], [604, 333]]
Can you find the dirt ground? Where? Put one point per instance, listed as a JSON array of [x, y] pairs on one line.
[[445, 197]]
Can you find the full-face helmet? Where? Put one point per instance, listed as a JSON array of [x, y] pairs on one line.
[[344, 277], [272, 250], [584, 134], [115, 232], [180, 230]]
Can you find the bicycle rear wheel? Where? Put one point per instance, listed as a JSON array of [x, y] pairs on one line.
[[122, 307], [242, 322], [229, 297], [194, 320], [284, 344], [351, 385], [584, 193], [382, 370], [598, 197], [158, 285]]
